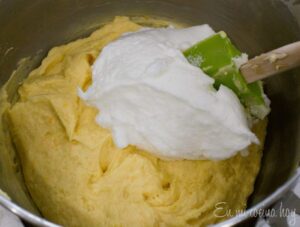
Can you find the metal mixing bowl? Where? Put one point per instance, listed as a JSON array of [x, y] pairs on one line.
[[28, 29]]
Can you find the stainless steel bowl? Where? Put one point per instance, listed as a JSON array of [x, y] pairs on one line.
[[28, 29]]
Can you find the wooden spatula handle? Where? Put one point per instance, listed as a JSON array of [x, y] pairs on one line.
[[274, 62]]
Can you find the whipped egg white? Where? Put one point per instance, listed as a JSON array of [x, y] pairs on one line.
[[151, 97]]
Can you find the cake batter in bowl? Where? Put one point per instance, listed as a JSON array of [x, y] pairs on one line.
[[28, 34]]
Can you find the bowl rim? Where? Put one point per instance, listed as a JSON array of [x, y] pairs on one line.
[[265, 203]]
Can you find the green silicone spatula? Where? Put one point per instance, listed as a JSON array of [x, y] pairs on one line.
[[216, 56]]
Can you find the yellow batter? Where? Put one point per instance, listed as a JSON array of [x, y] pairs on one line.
[[77, 177]]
